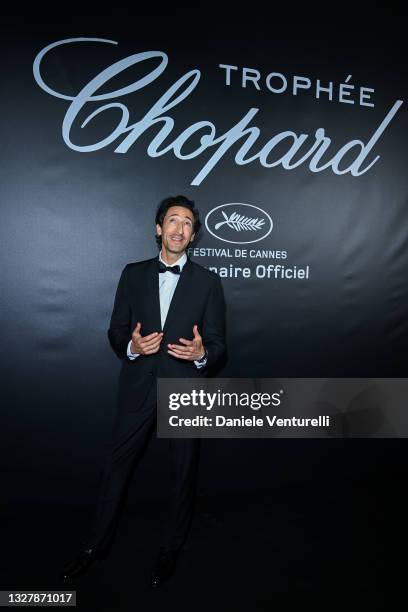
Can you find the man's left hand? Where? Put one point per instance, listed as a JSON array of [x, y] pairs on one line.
[[190, 350]]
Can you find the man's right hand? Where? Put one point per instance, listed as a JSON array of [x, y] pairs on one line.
[[146, 345]]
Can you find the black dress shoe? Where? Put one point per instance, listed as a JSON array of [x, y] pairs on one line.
[[163, 568], [81, 564]]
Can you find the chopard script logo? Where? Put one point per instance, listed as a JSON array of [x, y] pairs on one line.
[[287, 149]]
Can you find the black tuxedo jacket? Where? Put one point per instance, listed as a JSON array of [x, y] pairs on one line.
[[198, 299]]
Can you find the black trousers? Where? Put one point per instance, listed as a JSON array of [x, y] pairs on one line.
[[131, 433]]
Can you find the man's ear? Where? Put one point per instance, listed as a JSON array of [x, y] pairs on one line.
[[158, 229], [192, 237]]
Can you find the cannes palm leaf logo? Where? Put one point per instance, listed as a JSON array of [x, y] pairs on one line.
[[240, 222]]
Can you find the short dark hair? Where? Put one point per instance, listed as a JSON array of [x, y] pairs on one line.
[[179, 200]]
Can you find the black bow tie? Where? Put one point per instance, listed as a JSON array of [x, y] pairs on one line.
[[163, 268]]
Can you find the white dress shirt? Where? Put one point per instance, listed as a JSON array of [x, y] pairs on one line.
[[167, 286]]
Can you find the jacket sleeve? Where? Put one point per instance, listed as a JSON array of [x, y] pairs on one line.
[[213, 331], [119, 332]]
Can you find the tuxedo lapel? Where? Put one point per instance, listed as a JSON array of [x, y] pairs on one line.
[[153, 296], [181, 295]]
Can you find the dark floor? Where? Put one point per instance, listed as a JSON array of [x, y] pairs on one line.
[[301, 548]]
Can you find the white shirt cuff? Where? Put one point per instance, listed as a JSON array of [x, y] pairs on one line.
[[132, 356], [200, 364]]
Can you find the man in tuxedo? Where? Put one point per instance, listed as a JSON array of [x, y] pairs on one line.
[[168, 321]]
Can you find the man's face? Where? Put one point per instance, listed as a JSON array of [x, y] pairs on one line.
[[177, 230]]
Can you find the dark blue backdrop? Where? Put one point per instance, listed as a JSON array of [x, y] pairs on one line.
[[72, 219]]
